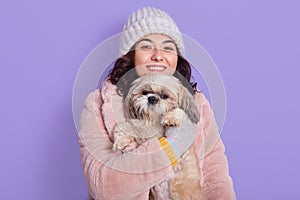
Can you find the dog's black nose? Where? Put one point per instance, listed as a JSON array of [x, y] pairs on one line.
[[152, 100]]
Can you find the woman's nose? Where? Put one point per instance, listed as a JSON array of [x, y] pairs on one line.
[[157, 55]]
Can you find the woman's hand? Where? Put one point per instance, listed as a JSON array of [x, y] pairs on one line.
[[179, 139]]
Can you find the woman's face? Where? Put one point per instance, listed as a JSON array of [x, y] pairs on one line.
[[155, 53]]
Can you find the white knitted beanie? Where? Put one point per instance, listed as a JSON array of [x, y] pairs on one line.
[[146, 21]]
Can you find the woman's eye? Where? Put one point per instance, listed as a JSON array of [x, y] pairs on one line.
[[169, 48], [146, 47], [164, 96]]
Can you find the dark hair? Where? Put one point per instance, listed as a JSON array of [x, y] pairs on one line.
[[118, 75]]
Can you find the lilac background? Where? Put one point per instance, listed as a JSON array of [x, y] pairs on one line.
[[255, 45]]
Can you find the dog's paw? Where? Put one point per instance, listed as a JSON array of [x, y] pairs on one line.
[[174, 118], [122, 142]]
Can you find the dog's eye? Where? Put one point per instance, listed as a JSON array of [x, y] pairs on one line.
[[145, 92], [164, 96]]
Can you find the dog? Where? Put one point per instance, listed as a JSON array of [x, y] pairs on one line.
[[154, 103]]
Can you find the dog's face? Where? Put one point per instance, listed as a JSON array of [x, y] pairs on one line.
[[152, 95]]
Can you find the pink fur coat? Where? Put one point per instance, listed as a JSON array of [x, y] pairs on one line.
[[109, 173]]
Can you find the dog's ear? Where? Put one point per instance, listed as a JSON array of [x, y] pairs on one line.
[[188, 104], [129, 108]]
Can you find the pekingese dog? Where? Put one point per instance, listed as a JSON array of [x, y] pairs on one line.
[[154, 103]]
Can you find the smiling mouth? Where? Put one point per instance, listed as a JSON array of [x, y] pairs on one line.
[[156, 68]]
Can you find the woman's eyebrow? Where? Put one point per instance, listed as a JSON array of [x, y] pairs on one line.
[[149, 40], [168, 41], [145, 39]]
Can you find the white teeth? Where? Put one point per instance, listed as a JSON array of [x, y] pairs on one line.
[[156, 68]]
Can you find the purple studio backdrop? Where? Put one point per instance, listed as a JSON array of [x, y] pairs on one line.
[[255, 45]]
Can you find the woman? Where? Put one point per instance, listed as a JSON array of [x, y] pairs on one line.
[[150, 43]]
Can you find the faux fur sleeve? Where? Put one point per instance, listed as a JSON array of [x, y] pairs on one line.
[[112, 174], [217, 181]]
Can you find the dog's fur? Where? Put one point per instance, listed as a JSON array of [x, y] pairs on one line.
[[154, 103]]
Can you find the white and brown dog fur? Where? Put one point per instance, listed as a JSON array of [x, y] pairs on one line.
[[154, 103]]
